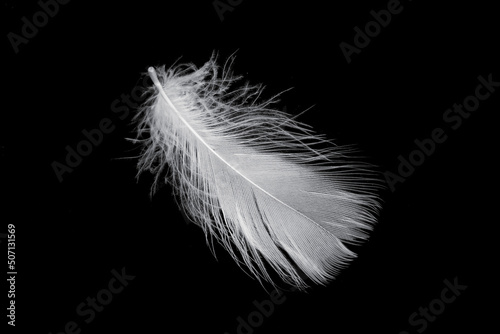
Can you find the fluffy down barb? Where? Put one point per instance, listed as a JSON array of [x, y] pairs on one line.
[[259, 182]]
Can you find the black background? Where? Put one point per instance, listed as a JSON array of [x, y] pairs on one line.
[[437, 225]]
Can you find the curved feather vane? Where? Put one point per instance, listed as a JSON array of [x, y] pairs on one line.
[[252, 177]]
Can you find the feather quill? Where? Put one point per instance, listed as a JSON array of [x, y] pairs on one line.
[[255, 179]]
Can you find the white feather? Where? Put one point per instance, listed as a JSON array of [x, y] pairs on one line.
[[252, 177]]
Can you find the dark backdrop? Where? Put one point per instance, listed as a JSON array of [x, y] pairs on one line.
[[79, 66]]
